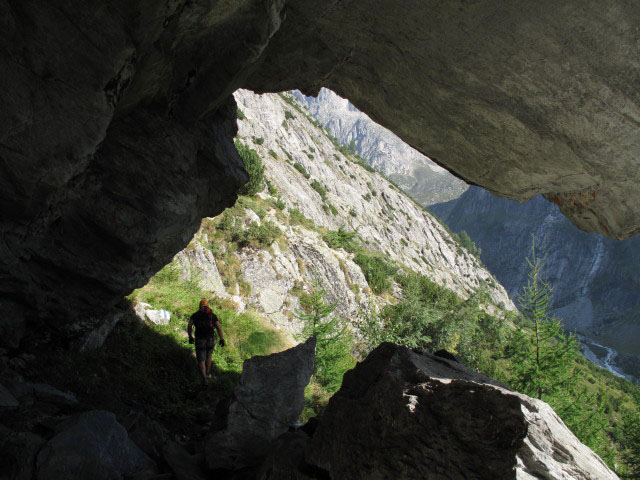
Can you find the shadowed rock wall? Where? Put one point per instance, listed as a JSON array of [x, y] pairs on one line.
[[116, 119]]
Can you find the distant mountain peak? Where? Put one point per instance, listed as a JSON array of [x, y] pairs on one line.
[[414, 172]]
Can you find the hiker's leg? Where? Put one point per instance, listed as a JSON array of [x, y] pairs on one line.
[[201, 352], [208, 364], [210, 345]]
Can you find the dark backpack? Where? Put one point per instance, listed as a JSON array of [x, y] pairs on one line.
[[204, 321]]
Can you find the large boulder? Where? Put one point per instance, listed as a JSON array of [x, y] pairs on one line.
[[404, 415], [269, 399], [12, 324], [91, 445], [7, 399], [18, 451]]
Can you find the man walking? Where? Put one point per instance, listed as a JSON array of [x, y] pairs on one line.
[[206, 323]]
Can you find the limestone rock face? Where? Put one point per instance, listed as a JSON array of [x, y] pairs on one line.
[[91, 445], [401, 414], [268, 399], [386, 219], [199, 262]]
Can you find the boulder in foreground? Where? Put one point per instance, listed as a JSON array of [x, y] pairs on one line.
[[269, 399], [91, 445], [405, 415]]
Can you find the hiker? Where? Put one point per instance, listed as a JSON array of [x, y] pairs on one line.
[[205, 321]]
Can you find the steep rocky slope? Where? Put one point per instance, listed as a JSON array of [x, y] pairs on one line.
[[415, 173], [595, 279], [346, 196]]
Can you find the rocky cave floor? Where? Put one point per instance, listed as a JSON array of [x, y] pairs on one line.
[[144, 378], [133, 409]]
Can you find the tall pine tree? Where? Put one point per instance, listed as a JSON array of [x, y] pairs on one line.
[[333, 339], [543, 361]]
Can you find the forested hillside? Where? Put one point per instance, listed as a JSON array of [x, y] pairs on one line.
[[595, 278]]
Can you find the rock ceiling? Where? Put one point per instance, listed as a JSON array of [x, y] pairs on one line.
[[116, 119]]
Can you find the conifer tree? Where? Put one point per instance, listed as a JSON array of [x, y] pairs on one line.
[[333, 339], [543, 362], [631, 443]]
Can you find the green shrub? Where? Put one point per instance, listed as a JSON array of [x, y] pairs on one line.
[[367, 197], [353, 212], [333, 339], [258, 140], [255, 169], [297, 218], [318, 187], [288, 115], [260, 212], [463, 239], [302, 170], [227, 221], [376, 271], [342, 239], [273, 191], [362, 162], [257, 235], [279, 204], [240, 114], [273, 154], [332, 209]]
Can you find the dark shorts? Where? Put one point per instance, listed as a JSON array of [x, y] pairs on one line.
[[204, 348]]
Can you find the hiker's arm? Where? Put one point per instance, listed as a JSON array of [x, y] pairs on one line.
[[220, 335], [190, 328]]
